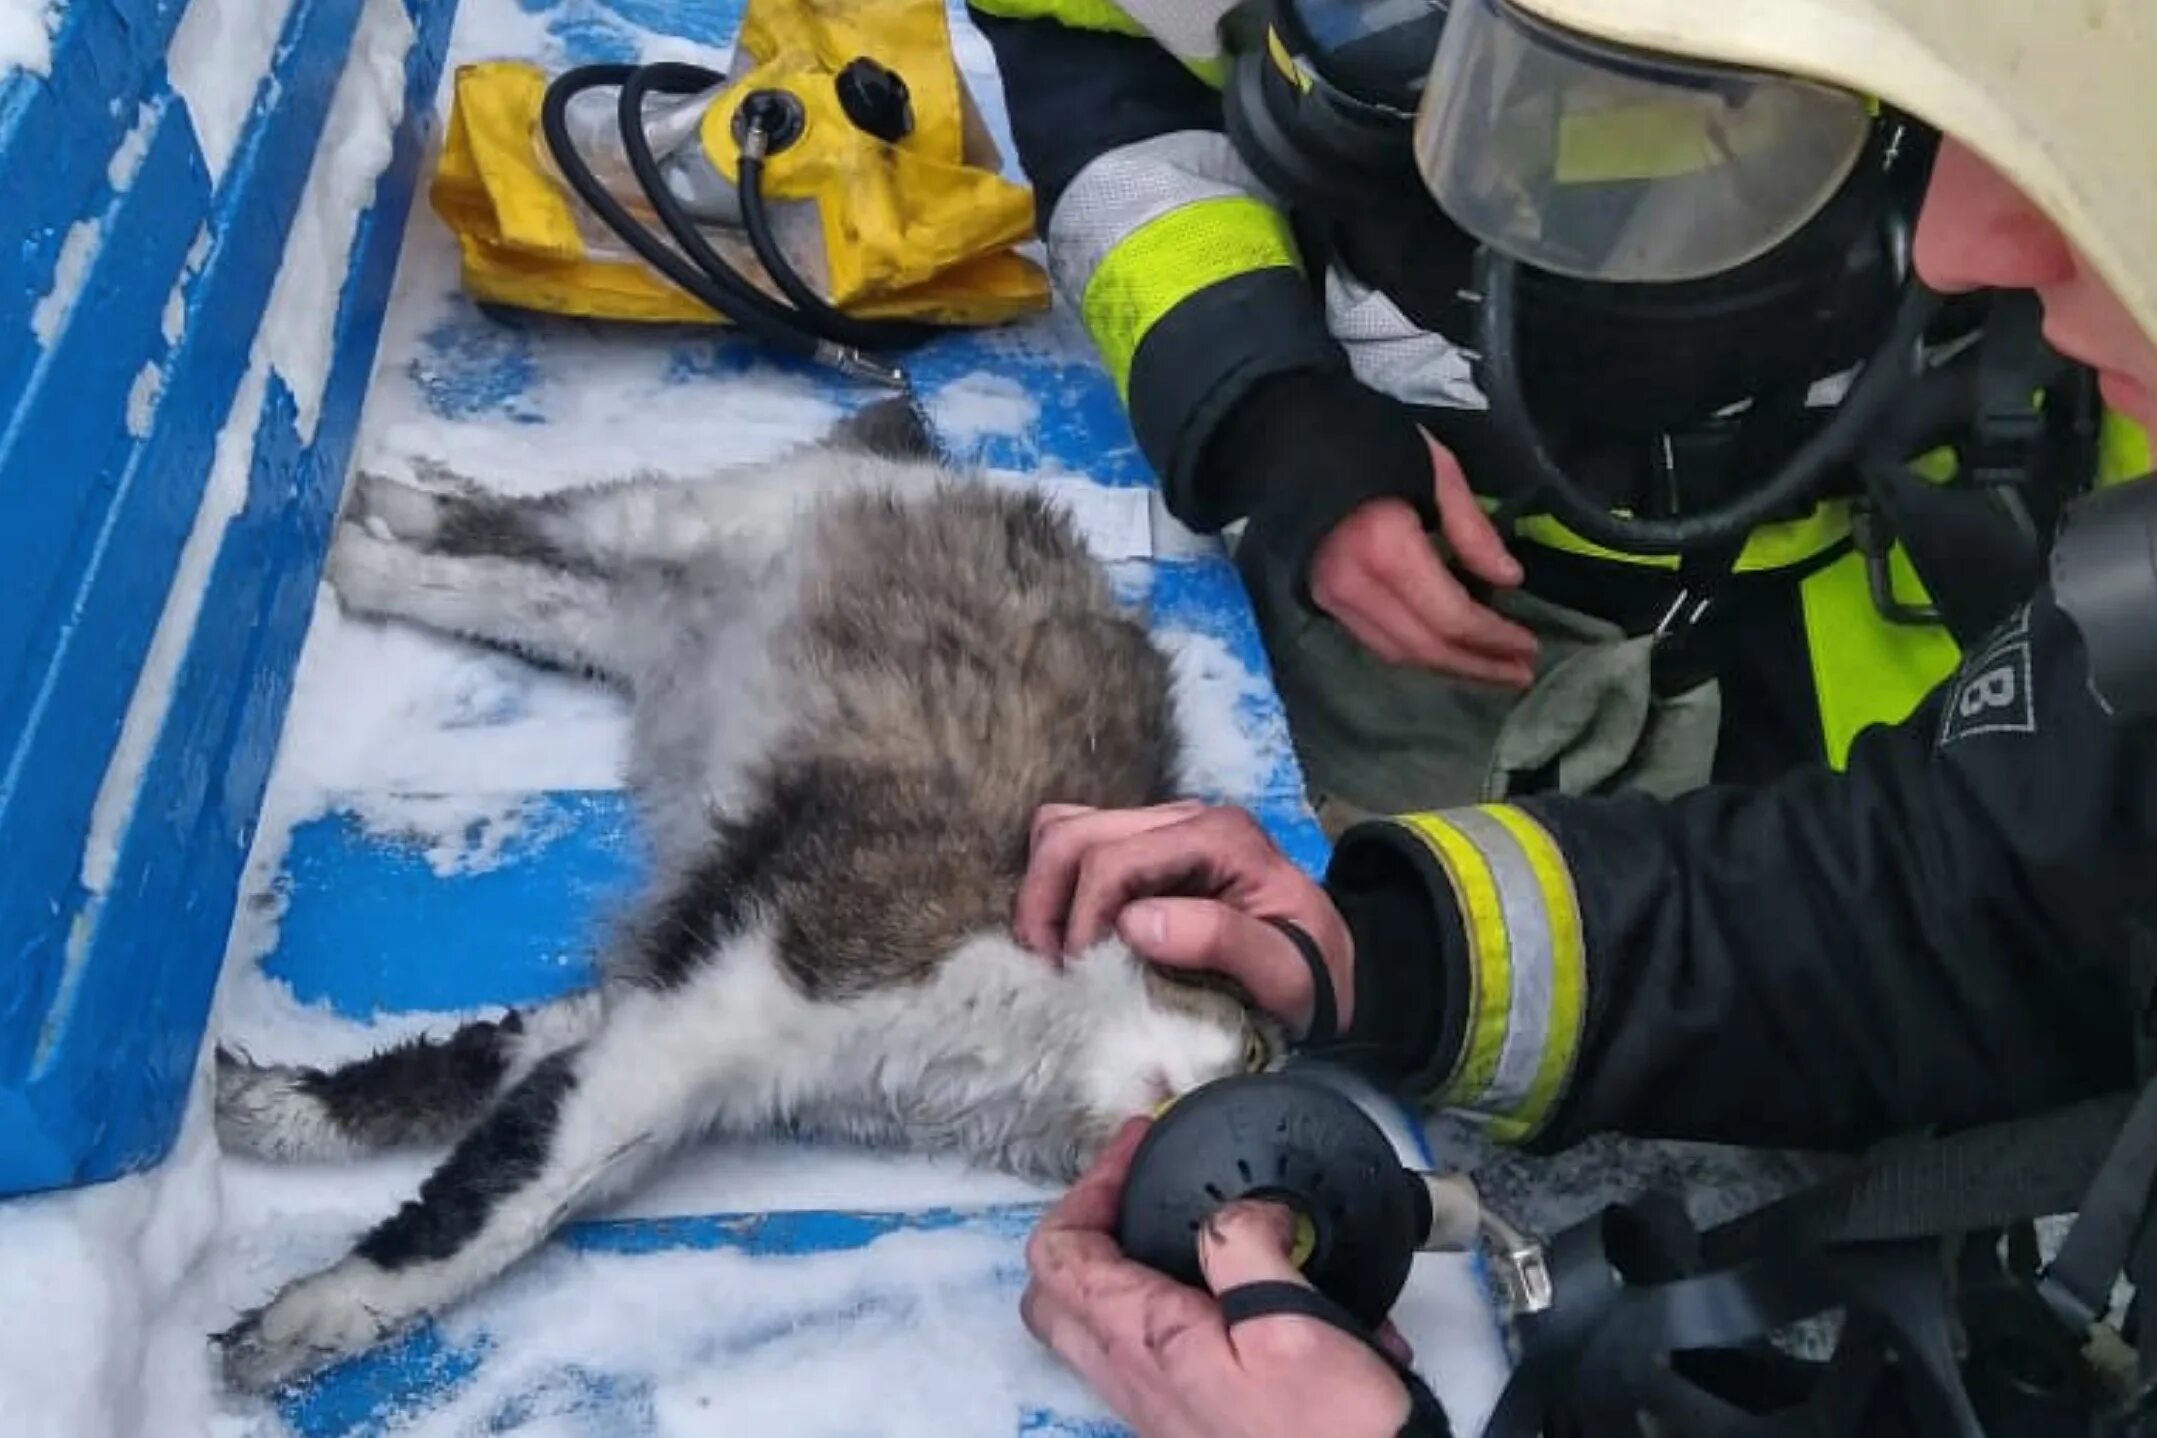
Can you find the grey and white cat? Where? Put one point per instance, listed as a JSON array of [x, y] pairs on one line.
[[854, 676]]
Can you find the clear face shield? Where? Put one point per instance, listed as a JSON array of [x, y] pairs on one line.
[[1610, 165]]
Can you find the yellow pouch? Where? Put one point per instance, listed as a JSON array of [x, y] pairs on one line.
[[925, 229]]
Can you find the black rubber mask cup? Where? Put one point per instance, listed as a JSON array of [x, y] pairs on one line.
[[1293, 1140]]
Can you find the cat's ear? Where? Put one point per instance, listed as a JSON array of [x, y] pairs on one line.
[[888, 429]]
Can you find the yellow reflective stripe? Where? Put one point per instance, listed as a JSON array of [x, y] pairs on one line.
[[1527, 965], [1165, 261], [1077, 14], [1865, 669], [1772, 546], [2123, 449], [1489, 961], [1569, 972]]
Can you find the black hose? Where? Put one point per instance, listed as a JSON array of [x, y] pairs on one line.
[[697, 268], [810, 311], [833, 324], [1882, 379]]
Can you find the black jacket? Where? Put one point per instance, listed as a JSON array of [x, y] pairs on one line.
[[1956, 930]]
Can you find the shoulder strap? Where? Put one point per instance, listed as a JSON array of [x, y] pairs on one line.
[[1981, 1178]]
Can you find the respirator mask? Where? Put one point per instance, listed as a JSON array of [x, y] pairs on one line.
[[1622, 178]]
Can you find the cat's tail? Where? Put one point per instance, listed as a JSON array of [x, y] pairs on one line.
[[424, 1093]]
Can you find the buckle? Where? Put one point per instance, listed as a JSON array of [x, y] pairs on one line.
[[1522, 1270], [1869, 535]]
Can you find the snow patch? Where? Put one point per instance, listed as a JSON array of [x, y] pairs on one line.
[[1234, 734], [173, 323], [91, 1279], [938, 1307], [982, 404], [142, 397], [26, 31], [68, 271], [222, 498], [126, 159], [219, 56], [299, 327]]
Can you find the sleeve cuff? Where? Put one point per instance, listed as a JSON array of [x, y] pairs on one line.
[[1309, 447], [1504, 929], [1410, 977]]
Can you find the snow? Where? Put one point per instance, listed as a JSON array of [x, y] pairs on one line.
[[223, 494], [1228, 750], [294, 340], [978, 405], [26, 31], [127, 155], [142, 397], [92, 1281], [220, 55], [68, 272], [173, 322], [300, 324]]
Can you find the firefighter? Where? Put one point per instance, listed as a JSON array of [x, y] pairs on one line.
[[1230, 203], [1953, 928]]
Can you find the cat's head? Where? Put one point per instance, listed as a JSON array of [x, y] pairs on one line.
[[1174, 1031]]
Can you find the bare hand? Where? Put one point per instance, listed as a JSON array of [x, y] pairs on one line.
[[1161, 1355], [1186, 885], [1377, 575]]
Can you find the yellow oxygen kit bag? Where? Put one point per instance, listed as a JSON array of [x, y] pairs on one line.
[[839, 194]]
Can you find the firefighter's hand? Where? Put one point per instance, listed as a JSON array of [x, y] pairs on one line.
[[1379, 576], [1161, 1355], [1186, 885]]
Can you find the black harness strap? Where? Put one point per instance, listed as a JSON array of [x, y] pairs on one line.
[[2078, 1283], [1325, 1012], [1981, 1178], [1426, 1415], [1642, 1294]]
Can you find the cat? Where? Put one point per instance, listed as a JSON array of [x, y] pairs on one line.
[[853, 675]]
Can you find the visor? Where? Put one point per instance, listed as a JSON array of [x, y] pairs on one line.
[[1600, 163]]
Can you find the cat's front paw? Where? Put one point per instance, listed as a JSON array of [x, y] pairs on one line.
[[310, 1324]]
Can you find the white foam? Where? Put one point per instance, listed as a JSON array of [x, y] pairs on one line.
[[219, 56], [26, 31], [69, 270]]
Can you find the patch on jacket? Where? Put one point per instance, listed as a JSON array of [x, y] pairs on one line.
[[1993, 693]]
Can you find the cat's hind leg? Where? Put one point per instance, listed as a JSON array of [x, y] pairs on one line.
[[581, 1126], [426, 1092], [564, 618], [608, 528]]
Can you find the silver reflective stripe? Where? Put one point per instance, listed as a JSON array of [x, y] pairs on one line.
[[1529, 951], [1391, 355], [1187, 29], [1122, 190]]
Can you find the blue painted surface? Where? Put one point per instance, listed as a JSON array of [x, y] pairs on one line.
[[102, 1004], [371, 926]]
